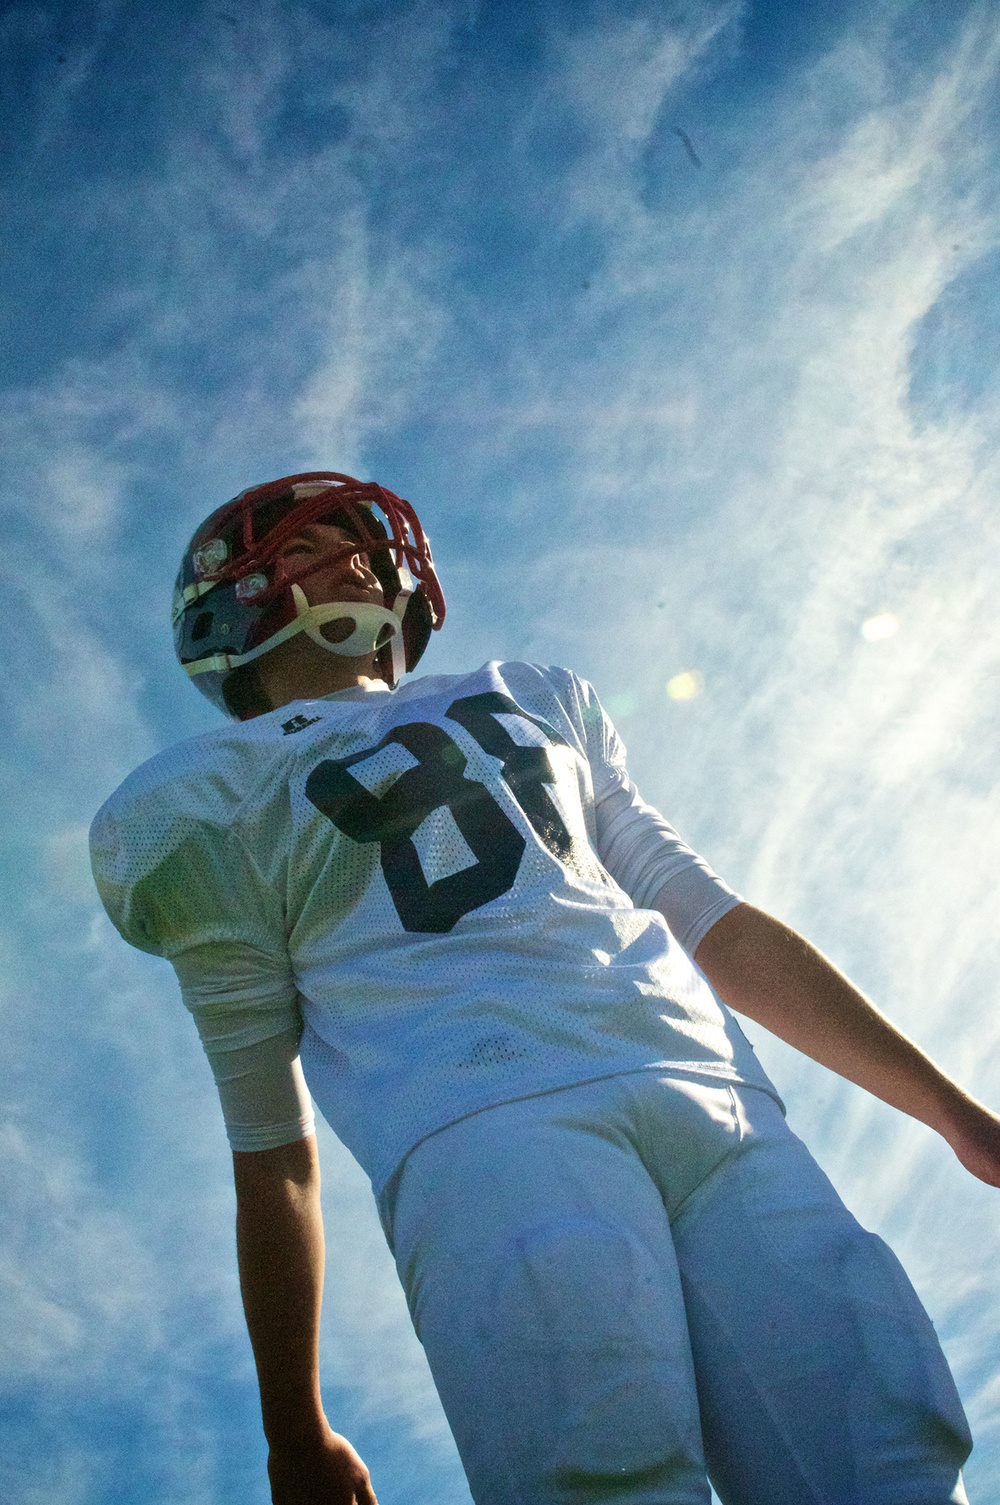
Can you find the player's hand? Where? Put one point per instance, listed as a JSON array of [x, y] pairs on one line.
[[973, 1131], [325, 1471]]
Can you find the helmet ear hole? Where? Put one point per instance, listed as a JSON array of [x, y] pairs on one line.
[[202, 626]]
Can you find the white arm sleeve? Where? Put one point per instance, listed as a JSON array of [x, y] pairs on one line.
[[177, 880], [249, 1021], [647, 858], [641, 850]]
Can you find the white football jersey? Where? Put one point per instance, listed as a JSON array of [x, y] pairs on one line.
[[420, 882]]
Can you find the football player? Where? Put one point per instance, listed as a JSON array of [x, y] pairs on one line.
[[441, 905]]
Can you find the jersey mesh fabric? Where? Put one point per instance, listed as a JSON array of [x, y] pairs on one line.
[[413, 881]]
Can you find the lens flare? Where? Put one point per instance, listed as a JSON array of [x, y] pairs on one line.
[[686, 686], [622, 704], [877, 629]]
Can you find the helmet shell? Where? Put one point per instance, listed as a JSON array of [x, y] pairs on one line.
[[231, 596]]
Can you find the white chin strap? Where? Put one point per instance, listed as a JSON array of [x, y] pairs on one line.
[[370, 621]]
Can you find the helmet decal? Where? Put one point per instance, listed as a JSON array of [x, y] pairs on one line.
[[236, 597]]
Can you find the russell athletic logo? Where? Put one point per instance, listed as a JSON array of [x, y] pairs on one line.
[[298, 724]]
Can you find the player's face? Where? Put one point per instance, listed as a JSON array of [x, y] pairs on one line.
[[332, 564]]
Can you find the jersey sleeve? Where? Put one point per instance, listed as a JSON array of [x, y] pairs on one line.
[[250, 1031], [638, 847], [177, 881]]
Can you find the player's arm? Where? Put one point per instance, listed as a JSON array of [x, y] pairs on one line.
[[279, 1234], [244, 1002], [763, 969]]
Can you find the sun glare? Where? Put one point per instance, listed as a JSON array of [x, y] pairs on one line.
[[876, 629], [685, 686]]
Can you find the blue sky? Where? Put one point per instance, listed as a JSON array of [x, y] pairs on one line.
[[662, 417]]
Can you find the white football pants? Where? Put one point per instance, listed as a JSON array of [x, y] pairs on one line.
[[624, 1284]]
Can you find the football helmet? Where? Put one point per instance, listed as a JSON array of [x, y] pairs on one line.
[[236, 598]]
